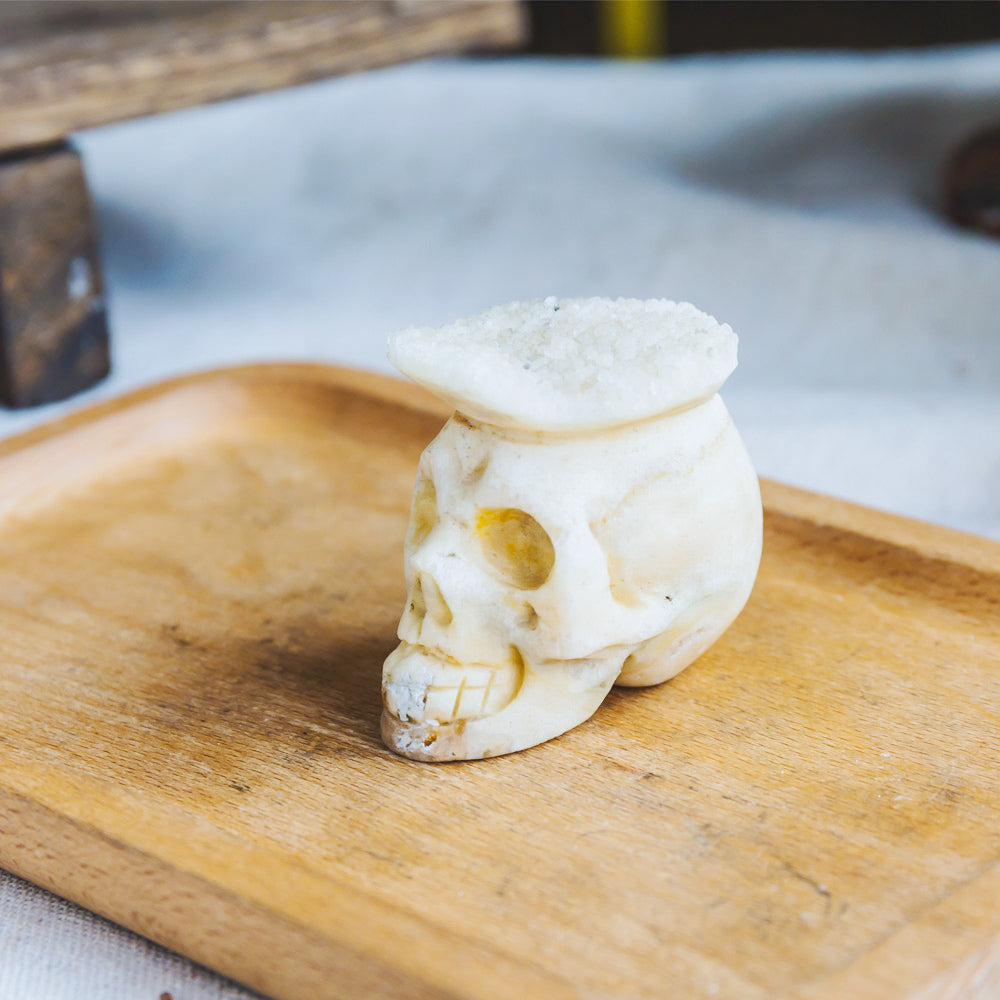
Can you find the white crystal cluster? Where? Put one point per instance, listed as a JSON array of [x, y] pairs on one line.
[[571, 364]]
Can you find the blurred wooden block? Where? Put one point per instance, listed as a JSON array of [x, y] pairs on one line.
[[66, 65], [71, 65], [53, 329]]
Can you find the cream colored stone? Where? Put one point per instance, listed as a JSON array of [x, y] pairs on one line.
[[543, 567]]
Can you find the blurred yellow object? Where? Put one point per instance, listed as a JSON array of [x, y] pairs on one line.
[[632, 29]]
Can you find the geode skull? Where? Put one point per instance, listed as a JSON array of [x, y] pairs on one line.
[[563, 538]]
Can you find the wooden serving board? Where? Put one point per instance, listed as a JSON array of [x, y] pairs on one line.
[[198, 584]]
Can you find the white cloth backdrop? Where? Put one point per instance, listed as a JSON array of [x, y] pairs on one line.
[[792, 196]]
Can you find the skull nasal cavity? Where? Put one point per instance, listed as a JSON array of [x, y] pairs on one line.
[[516, 546], [418, 606], [437, 606]]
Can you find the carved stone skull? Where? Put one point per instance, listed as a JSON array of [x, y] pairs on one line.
[[545, 565]]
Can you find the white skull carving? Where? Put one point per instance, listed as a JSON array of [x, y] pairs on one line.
[[543, 566]]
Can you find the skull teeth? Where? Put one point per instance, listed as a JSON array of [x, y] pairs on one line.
[[421, 686], [481, 691]]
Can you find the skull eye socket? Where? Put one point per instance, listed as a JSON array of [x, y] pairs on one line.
[[423, 511], [516, 546]]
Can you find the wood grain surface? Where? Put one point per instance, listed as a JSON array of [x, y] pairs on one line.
[[198, 584], [53, 323], [65, 66]]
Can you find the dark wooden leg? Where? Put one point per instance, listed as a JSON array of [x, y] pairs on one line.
[[53, 325], [972, 183]]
